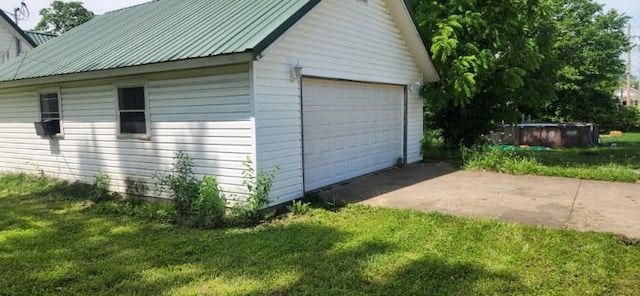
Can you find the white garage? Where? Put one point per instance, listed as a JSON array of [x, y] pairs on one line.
[[350, 129], [322, 90]]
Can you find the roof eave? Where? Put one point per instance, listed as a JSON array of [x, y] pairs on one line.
[[188, 64]]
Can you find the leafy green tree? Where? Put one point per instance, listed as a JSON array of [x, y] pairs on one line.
[[494, 59], [62, 17], [589, 46], [499, 60]]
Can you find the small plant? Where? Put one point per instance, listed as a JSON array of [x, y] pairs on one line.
[[335, 203], [181, 182], [258, 185], [208, 210], [298, 208], [164, 214], [399, 163], [101, 187], [199, 203]]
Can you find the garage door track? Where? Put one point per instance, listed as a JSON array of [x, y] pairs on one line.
[[548, 201]]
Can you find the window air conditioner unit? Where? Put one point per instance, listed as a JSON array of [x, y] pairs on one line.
[[47, 127]]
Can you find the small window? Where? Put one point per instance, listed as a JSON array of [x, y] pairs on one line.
[[132, 110], [49, 106], [18, 47]]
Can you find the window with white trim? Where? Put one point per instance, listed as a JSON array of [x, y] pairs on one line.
[[49, 106], [132, 111]]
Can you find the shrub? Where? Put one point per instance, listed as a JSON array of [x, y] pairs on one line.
[[208, 209], [181, 182], [200, 203], [258, 185], [101, 187]]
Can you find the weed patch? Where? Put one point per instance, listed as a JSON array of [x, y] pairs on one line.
[[618, 163]]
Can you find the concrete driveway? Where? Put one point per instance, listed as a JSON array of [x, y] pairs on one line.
[[548, 201]]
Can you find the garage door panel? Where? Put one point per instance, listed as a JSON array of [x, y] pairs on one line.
[[350, 129]]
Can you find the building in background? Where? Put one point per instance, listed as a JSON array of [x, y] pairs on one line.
[[621, 95], [14, 41]]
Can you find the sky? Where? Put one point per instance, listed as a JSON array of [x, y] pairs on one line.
[[97, 6], [632, 9]]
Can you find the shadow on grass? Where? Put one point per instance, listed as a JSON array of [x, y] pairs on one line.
[[47, 250]]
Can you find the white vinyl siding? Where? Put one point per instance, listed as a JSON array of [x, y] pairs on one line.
[[207, 117], [340, 40], [8, 44]]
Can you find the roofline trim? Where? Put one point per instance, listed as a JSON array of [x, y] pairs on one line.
[[196, 63], [283, 28], [15, 27]]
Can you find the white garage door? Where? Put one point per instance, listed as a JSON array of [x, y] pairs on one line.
[[350, 129]]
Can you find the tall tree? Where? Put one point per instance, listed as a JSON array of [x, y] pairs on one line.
[[500, 59], [493, 58], [62, 17], [589, 46]]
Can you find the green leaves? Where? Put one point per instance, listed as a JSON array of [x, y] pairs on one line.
[[501, 59], [513, 77], [62, 17], [445, 44], [589, 43], [464, 88]]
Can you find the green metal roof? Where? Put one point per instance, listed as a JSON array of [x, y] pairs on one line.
[[161, 31], [39, 38]]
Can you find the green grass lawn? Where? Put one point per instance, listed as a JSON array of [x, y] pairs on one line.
[[620, 163], [53, 242]]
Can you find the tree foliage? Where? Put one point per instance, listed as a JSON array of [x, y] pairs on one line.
[[589, 43], [499, 60], [62, 16], [492, 58]]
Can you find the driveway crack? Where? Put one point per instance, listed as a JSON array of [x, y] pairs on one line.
[[573, 205]]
